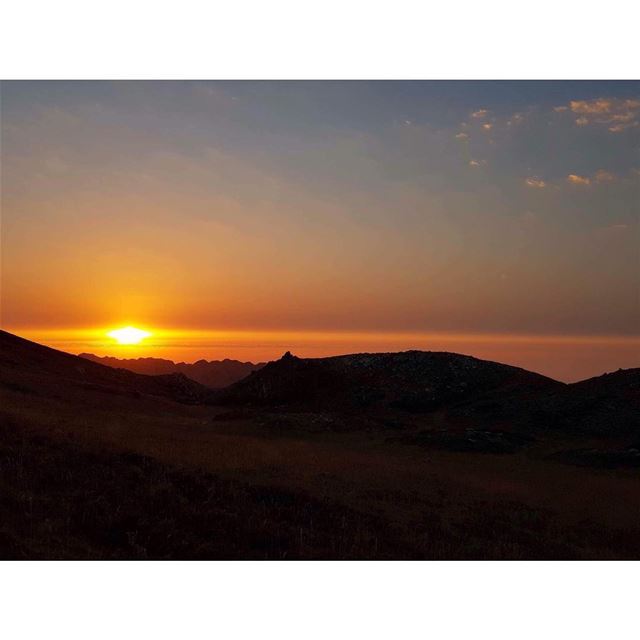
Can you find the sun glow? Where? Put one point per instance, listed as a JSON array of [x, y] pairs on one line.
[[128, 335]]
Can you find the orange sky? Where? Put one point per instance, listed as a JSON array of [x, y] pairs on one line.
[[561, 357], [245, 219]]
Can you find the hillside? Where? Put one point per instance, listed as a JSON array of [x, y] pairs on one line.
[[604, 405], [411, 381], [34, 368], [213, 373], [467, 392]]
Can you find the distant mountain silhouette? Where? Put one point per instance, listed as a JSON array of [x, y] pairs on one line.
[[214, 373], [28, 365]]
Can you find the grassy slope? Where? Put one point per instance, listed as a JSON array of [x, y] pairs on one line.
[[80, 486], [61, 499]]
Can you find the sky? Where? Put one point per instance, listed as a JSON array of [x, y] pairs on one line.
[[240, 219]]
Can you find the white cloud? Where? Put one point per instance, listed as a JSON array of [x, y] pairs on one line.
[[480, 113]]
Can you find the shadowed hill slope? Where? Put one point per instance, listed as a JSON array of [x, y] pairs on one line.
[[607, 404], [414, 381], [28, 366], [215, 373]]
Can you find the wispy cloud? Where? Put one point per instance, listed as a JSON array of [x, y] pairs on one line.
[[480, 113], [617, 114], [462, 135], [599, 105], [487, 126], [536, 183], [599, 177], [477, 163], [579, 180], [516, 118], [604, 176]]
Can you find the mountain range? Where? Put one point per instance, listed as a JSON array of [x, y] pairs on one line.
[[213, 373]]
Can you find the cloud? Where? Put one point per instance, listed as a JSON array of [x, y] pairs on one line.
[[462, 135], [487, 126], [480, 113], [516, 118], [617, 128], [581, 180], [617, 114], [599, 105], [477, 163], [600, 177], [560, 109], [604, 176]]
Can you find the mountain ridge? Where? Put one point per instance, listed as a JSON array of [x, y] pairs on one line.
[[215, 374]]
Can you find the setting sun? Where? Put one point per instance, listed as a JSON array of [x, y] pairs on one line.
[[128, 335]]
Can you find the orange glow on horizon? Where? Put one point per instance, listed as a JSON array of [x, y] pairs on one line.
[[567, 358]]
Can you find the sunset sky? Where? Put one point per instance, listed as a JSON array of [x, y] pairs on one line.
[[242, 219]]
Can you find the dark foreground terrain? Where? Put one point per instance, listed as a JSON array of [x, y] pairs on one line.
[[414, 455]]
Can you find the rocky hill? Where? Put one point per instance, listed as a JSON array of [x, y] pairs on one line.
[[412, 381]]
